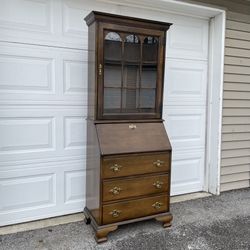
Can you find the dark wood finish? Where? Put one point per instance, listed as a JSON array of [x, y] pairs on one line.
[[135, 164], [126, 20], [131, 187], [165, 219], [128, 151], [97, 227], [134, 208], [93, 195], [101, 234], [132, 138], [99, 25], [126, 121]]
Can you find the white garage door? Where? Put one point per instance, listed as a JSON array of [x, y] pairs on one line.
[[43, 79]]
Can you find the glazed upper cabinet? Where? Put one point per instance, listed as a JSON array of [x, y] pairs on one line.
[[129, 73], [128, 150], [130, 68]]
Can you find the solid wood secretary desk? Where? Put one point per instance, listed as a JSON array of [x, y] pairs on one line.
[[128, 150]]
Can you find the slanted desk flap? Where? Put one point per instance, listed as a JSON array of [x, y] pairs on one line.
[[132, 138]]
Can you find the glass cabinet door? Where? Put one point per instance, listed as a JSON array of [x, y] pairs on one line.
[[130, 69]]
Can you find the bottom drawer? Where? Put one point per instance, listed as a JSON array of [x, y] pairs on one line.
[[126, 210]]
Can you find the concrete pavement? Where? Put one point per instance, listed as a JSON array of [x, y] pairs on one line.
[[216, 222]]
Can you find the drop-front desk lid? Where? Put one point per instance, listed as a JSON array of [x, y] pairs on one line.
[[124, 138]]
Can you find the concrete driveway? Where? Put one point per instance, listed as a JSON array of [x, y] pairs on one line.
[[216, 222]]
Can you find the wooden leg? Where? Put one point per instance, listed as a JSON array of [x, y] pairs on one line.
[[166, 220], [87, 220], [101, 234]]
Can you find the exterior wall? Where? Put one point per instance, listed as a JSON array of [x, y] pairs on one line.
[[235, 162]]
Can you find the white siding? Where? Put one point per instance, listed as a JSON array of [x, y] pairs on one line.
[[235, 164]]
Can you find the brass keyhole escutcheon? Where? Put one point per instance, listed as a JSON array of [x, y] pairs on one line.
[[157, 205], [158, 163], [115, 190], [116, 168], [132, 126], [158, 184], [115, 213]]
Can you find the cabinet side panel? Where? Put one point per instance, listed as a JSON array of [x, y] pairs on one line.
[[92, 70], [93, 173], [93, 154]]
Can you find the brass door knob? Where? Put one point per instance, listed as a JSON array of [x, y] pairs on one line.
[[116, 168], [158, 163], [115, 190], [115, 213], [157, 205], [158, 184]]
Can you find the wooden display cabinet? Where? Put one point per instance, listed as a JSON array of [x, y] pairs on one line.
[[128, 150]]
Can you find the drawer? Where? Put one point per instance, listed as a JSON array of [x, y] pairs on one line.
[[131, 187], [135, 208], [135, 164]]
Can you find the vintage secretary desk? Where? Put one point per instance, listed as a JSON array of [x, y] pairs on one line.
[[128, 150]]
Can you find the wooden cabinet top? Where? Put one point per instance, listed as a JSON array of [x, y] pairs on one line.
[[125, 20]]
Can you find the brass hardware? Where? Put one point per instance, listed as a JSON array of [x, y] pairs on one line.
[[158, 184], [132, 126], [116, 168], [157, 205], [115, 190], [158, 163], [100, 69], [115, 213]]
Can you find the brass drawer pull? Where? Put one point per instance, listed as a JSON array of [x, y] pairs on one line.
[[115, 190], [158, 163], [157, 205], [158, 184], [115, 213], [116, 168]]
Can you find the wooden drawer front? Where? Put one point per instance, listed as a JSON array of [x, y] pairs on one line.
[[136, 164], [126, 188], [134, 209]]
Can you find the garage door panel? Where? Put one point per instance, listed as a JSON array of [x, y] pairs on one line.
[[42, 194], [186, 127], [20, 73], [68, 29], [75, 77], [32, 75], [14, 15], [22, 134], [74, 132], [185, 82], [188, 39], [36, 133], [40, 190], [187, 171], [74, 186]]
